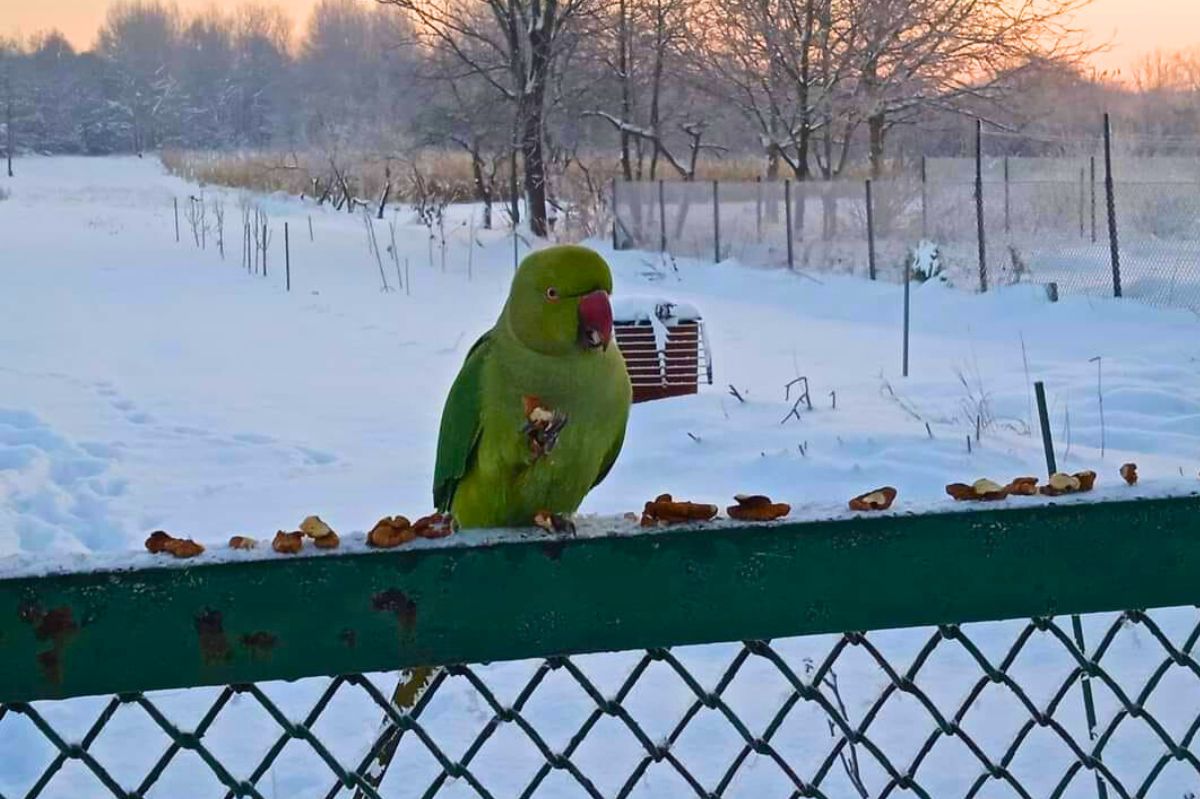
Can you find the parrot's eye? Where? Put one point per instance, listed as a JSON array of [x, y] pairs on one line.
[[552, 294]]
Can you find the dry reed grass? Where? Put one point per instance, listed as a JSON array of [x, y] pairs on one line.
[[580, 193]]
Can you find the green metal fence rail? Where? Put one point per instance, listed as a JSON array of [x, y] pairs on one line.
[[475, 599]]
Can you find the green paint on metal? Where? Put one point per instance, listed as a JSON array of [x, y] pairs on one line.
[[219, 624]]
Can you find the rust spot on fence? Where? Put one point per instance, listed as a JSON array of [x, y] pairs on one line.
[[395, 601], [260, 644], [56, 626], [214, 644]]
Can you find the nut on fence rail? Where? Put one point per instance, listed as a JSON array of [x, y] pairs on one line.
[[485, 597]]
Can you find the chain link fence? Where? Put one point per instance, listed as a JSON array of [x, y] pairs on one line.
[[1103, 705], [1044, 220]]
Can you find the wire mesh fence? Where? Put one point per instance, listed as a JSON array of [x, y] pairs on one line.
[[1044, 220], [1099, 705]]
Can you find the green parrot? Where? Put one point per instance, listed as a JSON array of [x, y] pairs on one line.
[[536, 417], [534, 420]]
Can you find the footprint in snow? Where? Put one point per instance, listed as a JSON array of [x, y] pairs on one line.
[[55, 490]]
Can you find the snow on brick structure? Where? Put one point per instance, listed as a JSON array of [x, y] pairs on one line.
[[665, 346]]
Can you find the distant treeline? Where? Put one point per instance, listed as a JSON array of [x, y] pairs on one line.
[[214, 81], [811, 89]]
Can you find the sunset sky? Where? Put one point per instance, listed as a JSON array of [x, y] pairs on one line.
[[1134, 27]]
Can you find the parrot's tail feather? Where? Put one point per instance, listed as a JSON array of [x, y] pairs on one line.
[[413, 685]]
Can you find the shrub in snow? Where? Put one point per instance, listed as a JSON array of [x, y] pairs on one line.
[[925, 262], [1018, 269]]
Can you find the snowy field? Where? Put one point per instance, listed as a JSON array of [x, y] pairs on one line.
[[150, 384]]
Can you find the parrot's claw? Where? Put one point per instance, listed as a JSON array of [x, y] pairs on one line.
[[554, 523], [543, 436], [555, 427]]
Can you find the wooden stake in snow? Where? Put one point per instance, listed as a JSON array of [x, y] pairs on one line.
[[1099, 361], [471, 246], [310, 231], [393, 252], [373, 248]]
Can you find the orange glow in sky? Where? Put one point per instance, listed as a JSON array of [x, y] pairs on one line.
[[1133, 27]]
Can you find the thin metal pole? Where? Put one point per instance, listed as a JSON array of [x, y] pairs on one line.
[[662, 218], [1082, 202], [907, 281], [614, 213], [758, 208], [264, 261], [1007, 200], [982, 238], [716, 223], [1089, 706], [787, 208], [1114, 249], [175, 201], [870, 233], [1092, 159], [924, 197], [1039, 390], [287, 258]]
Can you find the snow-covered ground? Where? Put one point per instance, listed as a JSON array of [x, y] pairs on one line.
[[150, 384]]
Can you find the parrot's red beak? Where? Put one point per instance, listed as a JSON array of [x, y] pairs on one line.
[[595, 320]]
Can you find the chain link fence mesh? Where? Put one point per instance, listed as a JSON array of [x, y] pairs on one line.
[[988, 709], [1045, 221]]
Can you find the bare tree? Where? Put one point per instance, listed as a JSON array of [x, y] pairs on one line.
[[644, 45], [138, 40], [9, 52], [462, 113], [514, 46], [908, 56]]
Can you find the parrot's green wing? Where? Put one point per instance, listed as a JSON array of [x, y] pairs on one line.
[[461, 425], [610, 457]]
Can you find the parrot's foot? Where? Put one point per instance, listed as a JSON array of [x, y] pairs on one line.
[[554, 522], [542, 430]]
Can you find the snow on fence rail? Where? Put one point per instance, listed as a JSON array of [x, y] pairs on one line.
[[1051, 228], [1052, 704]]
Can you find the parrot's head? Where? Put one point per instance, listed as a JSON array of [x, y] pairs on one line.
[[559, 301]]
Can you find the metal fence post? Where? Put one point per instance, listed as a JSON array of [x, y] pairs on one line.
[[1114, 249], [1092, 159], [662, 218], [983, 282], [716, 222], [287, 258], [758, 208], [870, 233], [787, 210], [907, 281], [1082, 202], [614, 213], [924, 197], [1039, 389], [1007, 200]]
